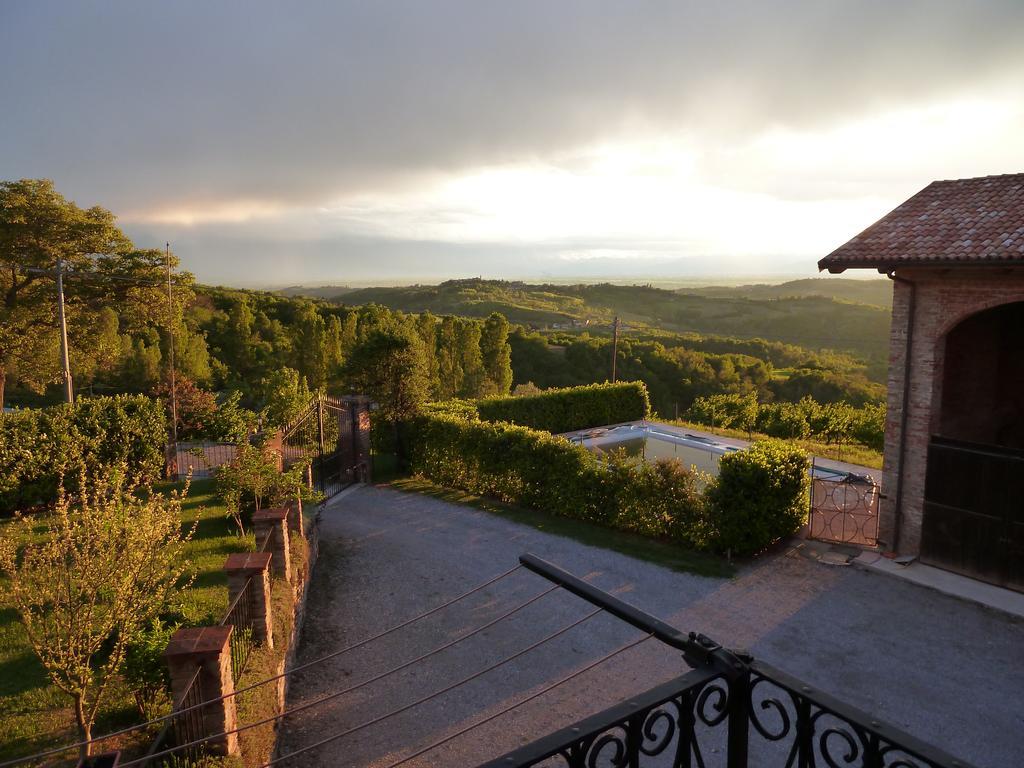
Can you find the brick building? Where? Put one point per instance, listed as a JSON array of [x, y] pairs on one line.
[[954, 432]]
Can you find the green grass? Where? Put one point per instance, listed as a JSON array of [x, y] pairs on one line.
[[851, 453], [655, 551], [34, 714]]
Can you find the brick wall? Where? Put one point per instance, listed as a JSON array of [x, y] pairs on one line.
[[944, 297]]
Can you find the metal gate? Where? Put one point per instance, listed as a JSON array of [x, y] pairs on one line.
[[327, 435], [973, 513], [844, 510]]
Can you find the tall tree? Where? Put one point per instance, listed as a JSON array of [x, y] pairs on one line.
[[426, 329], [449, 361], [389, 366], [310, 348], [497, 355], [473, 376], [38, 227]]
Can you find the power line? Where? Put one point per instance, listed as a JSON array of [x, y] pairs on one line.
[[520, 703], [441, 692], [335, 694], [293, 670]]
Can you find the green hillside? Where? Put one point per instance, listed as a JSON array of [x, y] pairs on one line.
[[812, 321], [877, 291]]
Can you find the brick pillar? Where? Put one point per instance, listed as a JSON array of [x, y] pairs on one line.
[[275, 522], [295, 522], [240, 568], [209, 649]]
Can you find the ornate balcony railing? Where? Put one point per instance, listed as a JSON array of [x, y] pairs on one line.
[[730, 711]]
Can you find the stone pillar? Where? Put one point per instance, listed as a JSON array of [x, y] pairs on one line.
[[240, 568], [295, 522], [275, 522], [209, 650]]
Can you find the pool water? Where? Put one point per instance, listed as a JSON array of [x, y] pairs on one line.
[[650, 448]]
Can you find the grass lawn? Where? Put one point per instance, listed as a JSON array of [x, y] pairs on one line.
[[656, 551], [851, 453], [35, 715]]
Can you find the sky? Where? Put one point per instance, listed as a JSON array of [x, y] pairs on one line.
[[350, 142]]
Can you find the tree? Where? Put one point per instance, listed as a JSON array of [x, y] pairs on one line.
[[285, 395], [389, 366], [471, 361], [310, 349], [449, 362], [111, 561], [38, 229], [497, 355]]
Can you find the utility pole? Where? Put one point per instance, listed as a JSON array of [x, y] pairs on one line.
[[170, 345], [615, 345], [69, 390]]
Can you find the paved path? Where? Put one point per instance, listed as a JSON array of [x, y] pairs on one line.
[[948, 671]]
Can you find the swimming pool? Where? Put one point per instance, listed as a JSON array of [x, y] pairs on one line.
[[653, 441]]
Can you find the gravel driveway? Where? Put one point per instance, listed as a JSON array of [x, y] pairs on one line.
[[945, 670]]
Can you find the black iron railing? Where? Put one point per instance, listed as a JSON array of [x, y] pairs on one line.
[[730, 710], [184, 728], [240, 617]]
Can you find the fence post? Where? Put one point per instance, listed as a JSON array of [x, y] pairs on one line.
[[209, 649], [295, 522], [253, 568], [274, 522]]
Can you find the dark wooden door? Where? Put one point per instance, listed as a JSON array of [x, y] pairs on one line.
[[974, 511]]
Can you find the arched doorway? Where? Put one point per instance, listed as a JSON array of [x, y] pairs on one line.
[[973, 507]]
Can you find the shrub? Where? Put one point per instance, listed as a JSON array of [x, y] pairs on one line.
[[145, 669], [760, 496], [38, 446], [572, 408]]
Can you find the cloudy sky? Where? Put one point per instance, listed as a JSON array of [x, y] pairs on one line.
[[276, 143]]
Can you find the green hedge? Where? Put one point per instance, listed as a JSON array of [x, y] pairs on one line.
[[536, 470], [572, 408], [760, 496], [37, 445]]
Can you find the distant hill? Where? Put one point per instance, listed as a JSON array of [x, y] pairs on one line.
[[316, 292], [809, 319], [877, 292]]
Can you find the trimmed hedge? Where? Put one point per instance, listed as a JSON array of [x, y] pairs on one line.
[[572, 408], [536, 470], [760, 496], [37, 445]]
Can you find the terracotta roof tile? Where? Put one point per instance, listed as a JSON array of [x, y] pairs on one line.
[[969, 221]]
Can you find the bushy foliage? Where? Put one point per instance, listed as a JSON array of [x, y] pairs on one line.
[[145, 668], [836, 423], [572, 408], [759, 496], [255, 478], [38, 446]]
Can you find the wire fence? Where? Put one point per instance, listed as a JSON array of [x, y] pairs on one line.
[[201, 459]]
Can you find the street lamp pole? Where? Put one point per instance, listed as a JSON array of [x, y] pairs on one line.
[[69, 391]]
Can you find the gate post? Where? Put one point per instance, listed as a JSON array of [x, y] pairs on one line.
[[209, 649], [274, 523]]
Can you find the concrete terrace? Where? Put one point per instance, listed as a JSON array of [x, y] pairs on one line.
[[945, 670]]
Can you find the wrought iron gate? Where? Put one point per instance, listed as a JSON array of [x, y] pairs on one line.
[[844, 510], [973, 515], [326, 434]]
